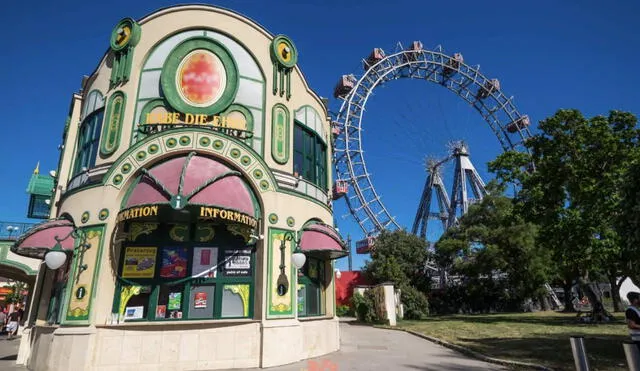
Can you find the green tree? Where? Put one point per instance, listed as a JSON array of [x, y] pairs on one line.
[[17, 292], [495, 250], [400, 257], [574, 193]]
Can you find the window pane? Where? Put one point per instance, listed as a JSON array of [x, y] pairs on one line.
[[237, 263], [201, 301], [137, 307], [170, 302], [235, 301], [302, 294], [313, 299]]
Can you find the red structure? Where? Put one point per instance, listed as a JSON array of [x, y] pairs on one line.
[[345, 285]]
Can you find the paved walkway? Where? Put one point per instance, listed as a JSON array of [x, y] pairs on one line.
[[363, 348], [8, 353], [367, 348]]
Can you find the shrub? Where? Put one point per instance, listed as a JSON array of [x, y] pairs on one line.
[[364, 307], [344, 311], [415, 303]]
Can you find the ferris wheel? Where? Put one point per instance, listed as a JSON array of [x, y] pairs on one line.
[[353, 181]]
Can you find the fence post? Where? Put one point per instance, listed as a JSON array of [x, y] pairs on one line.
[[632, 353], [579, 353]]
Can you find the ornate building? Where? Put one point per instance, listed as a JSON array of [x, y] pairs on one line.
[[190, 223]]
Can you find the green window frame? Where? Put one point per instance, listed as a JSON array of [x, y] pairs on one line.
[[312, 288], [88, 141], [157, 291], [309, 156]]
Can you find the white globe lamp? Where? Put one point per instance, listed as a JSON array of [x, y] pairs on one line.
[[298, 259], [55, 258], [338, 273]]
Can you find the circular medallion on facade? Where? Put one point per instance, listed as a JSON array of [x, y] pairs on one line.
[[125, 33], [199, 77], [284, 51]]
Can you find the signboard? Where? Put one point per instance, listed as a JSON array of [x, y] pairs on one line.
[[237, 262], [235, 123], [139, 262]]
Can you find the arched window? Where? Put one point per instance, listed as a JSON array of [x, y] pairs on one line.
[[309, 155], [88, 141]]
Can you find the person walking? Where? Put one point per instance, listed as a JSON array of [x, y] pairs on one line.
[[633, 317], [12, 327]]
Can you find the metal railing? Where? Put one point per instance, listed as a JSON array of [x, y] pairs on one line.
[[10, 231]]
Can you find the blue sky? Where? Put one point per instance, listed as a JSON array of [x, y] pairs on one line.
[[548, 54]]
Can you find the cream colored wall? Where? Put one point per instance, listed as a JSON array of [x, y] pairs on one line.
[[68, 152], [256, 40]]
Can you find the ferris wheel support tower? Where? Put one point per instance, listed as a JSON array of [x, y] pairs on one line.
[[448, 210]]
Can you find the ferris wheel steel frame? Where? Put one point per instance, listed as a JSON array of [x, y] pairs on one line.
[[467, 82]]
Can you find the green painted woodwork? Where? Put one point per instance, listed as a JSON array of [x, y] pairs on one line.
[[112, 128], [170, 69], [280, 127], [284, 56], [78, 311], [124, 37], [279, 310], [243, 286]]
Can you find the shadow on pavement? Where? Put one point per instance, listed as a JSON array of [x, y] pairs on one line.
[[12, 357]]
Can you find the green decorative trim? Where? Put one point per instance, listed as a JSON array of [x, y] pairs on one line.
[[170, 69], [85, 217], [286, 59], [281, 310], [112, 124], [126, 168], [116, 178], [124, 38], [235, 153], [153, 149], [280, 127], [141, 155], [245, 160], [273, 218], [4, 252], [291, 221], [218, 144], [241, 290], [205, 141], [257, 173], [185, 140], [103, 214], [79, 315], [171, 142], [132, 38]]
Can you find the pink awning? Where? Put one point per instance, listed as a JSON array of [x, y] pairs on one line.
[[37, 241], [323, 241], [193, 180]]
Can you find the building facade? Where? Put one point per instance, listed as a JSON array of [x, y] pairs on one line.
[[190, 222]]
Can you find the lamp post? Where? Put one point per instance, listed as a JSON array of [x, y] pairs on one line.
[[56, 257], [297, 259], [11, 229]]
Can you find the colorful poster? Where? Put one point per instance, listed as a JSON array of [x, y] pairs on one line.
[[161, 311], [139, 262], [200, 300], [134, 312], [237, 262], [175, 299], [174, 262], [205, 261]]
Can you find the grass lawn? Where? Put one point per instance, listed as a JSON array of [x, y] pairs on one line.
[[541, 338]]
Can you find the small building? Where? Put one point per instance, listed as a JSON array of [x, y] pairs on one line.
[[190, 218]]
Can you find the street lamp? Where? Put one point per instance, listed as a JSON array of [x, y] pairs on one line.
[[11, 229], [338, 273], [56, 257], [297, 259]]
